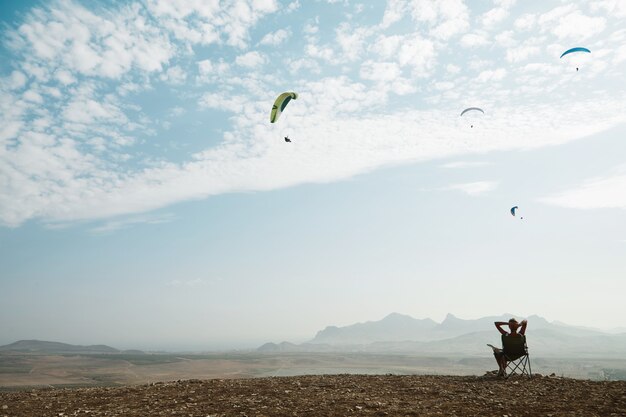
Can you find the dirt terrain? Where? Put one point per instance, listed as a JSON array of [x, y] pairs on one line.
[[24, 371], [331, 395]]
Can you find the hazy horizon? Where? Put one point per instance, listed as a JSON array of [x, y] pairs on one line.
[[146, 201], [226, 345]]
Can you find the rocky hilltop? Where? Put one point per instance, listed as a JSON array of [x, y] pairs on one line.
[[332, 395]]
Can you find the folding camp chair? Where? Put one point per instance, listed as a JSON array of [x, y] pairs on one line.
[[516, 354]]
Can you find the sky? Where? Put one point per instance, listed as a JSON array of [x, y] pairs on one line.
[[146, 201]]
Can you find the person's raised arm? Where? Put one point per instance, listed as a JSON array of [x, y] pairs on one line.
[[499, 324], [522, 330]]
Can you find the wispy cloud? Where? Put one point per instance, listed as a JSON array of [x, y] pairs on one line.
[[125, 223], [474, 188], [192, 283], [464, 164], [601, 192]]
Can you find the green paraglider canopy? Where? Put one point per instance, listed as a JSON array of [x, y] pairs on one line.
[[280, 104]]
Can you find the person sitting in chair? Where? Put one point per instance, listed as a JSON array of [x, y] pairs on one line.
[[513, 327]]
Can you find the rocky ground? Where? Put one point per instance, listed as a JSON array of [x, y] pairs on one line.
[[331, 395]]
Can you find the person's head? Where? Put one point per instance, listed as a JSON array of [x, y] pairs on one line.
[[513, 325]]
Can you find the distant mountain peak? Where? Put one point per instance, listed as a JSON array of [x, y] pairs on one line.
[[44, 346], [397, 316]]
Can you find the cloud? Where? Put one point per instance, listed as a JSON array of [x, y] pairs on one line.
[[330, 109], [275, 38], [189, 283], [251, 59], [526, 21], [521, 53], [492, 75], [209, 71], [595, 193], [351, 40], [494, 16], [446, 18], [473, 39], [111, 226], [567, 22], [615, 8], [474, 188], [464, 164], [174, 75], [380, 71], [209, 22], [387, 46], [417, 53], [578, 26], [68, 36]]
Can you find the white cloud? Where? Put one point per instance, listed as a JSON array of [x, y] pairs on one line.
[[525, 21], [17, 80], [33, 96], [111, 226], [474, 188], [77, 40], [303, 63], [452, 69], [464, 164], [351, 40], [443, 85], [417, 53], [83, 108], [251, 59], [594, 193], [446, 18], [473, 39], [276, 38], [222, 101], [206, 22], [567, 22], [209, 71], [380, 71], [310, 29], [494, 16], [505, 39], [578, 26], [174, 75], [492, 75], [615, 8], [293, 6], [394, 12], [387, 46], [65, 77], [521, 53], [324, 53], [205, 67]]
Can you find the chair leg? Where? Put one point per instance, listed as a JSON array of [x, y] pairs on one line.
[[519, 365]]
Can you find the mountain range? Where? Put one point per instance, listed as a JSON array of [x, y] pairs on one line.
[[398, 333], [46, 347]]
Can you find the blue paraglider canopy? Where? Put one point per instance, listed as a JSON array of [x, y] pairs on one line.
[[577, 49]]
